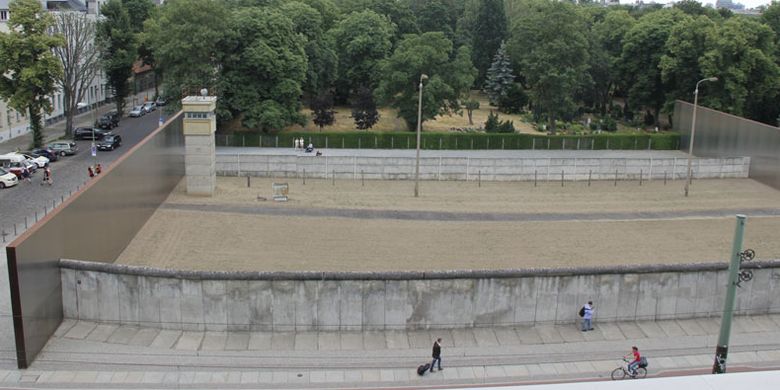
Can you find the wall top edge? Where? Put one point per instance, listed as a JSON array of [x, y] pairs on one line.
[[80, 265]]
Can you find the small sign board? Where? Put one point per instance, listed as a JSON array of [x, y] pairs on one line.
[[93, 150], [280, 191]]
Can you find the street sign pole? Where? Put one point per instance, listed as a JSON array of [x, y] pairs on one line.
[[722, 349]]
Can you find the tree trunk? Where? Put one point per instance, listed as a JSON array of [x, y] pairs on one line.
[[67, 99], [35, 125], [156, 83], [552, 124], [471, 122], [657, 119]]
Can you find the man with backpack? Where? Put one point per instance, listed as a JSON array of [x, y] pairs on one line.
[[586, 312]]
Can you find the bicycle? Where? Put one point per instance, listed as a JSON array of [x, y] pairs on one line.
[[622, 371]]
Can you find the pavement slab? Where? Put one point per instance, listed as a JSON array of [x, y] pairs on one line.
[[691, 327], [651, 329], [237, 341], [611, 331], [166, 339], [282, 341], [80, 330], [671, 328], [485, 337], [144, 337], [189, 341], [214, 341], [259, 341], [352, 341], [529, 335], [397, 339], [123, 335], [329, 341], [304, 341], [102, 332], [463, 338]]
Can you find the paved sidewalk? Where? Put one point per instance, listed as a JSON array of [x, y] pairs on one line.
[[92, 355], [56, 130]]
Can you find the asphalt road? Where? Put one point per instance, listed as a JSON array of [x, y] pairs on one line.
[[69, 173]]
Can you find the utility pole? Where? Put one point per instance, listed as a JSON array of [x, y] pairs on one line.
[[735, 278]]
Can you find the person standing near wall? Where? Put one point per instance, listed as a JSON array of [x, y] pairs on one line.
[[587, 316], [436, 354]]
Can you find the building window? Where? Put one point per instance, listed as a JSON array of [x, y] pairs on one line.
[[197, 115], [3, 15]]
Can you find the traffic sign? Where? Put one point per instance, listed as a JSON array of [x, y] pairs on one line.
[[93, 150]]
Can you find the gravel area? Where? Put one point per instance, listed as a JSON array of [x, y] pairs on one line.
[[210, 238]]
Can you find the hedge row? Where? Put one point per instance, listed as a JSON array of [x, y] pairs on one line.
[[457, 141]]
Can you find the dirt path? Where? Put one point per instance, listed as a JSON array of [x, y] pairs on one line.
[[228, 233]]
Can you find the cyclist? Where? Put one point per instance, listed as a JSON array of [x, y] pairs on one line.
[[634, 363]]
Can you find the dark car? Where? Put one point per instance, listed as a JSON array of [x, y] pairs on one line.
[[48, 153], [88, 133], [109, 142], [108, 120]]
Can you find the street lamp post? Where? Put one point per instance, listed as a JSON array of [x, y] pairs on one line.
[[693, 130], [419, 127]]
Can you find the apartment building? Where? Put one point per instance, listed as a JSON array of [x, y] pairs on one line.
[[13, 123]]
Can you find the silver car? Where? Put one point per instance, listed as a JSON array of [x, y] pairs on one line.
[[64, 148], [137, 111]]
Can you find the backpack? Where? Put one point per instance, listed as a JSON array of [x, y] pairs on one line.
[[643, 362], [582, 311]]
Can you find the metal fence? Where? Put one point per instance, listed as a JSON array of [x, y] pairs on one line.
[[719, 134]]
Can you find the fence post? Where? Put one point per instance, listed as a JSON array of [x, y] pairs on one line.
[[578, 143], [640, 177], [334, 177], [342, 142], [636, 139], [590, 173], [649, 144], [276, 143], [326, 142], [304, 176], [561, 177], [533, 143], [502, 143], [535, 172], [247, 182], [563, 144], [362, 179], [664, 177], [392, 142], [359, 142], [607, 148], [487, 143], [548, 143], [616, 177], [472, 144], [375, 143], [479, 178], [439, 143], [407, 142]]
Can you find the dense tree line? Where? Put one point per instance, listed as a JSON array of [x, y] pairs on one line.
[[267, 59]]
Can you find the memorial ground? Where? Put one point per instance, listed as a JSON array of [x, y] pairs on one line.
[[348, 225]]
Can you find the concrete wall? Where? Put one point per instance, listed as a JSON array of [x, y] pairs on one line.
[[94, 224], [402, 300], [719, 134], [465, 168]]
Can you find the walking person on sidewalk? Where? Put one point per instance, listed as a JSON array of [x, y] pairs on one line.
[[436, 354], [587, 316]]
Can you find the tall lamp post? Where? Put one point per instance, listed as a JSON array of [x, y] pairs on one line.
[[693, 130], [419, 127]]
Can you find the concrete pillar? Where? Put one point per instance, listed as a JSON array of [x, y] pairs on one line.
[[200, 123]]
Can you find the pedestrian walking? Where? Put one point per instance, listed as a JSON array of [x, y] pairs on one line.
[[98, 169], [586, 312], [436, 354], [47, 176], [90, 172], [26, 175]]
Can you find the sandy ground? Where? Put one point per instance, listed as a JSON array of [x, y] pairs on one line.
[[213, 240]]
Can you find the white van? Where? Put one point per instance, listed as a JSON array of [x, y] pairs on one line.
[[14, 160]]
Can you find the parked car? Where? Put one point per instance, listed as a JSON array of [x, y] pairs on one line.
[[40, 161], [45, 152], [110, 142], [149, 107], [7, 179], [88, 133], [160, 101], [64, 148], [137, 111], [108, 120], [16, 163]]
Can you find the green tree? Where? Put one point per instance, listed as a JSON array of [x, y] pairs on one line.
[[740, 53], [138, 11], [322, 110], [29, 70], [328, 10], [771, 17], [550, 42], [643, 46], [361, 40], [322, 69], [399, 13], [606, 49], [514, 100], [490, 32], [187, 39], [684, 49], [364, 110], [437, 15], [117, 50], [263, 73], [499, 76], [448, 79]]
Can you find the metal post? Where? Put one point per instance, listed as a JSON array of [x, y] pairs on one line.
[[362, 179], [664, 177], [640, 177], [334, 177], [535, 177], [304, 176], [693, 129], [590, 172], [419, 129], [722, 349], [561, 177], [616, 177], [247, 181], [479, 178]]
